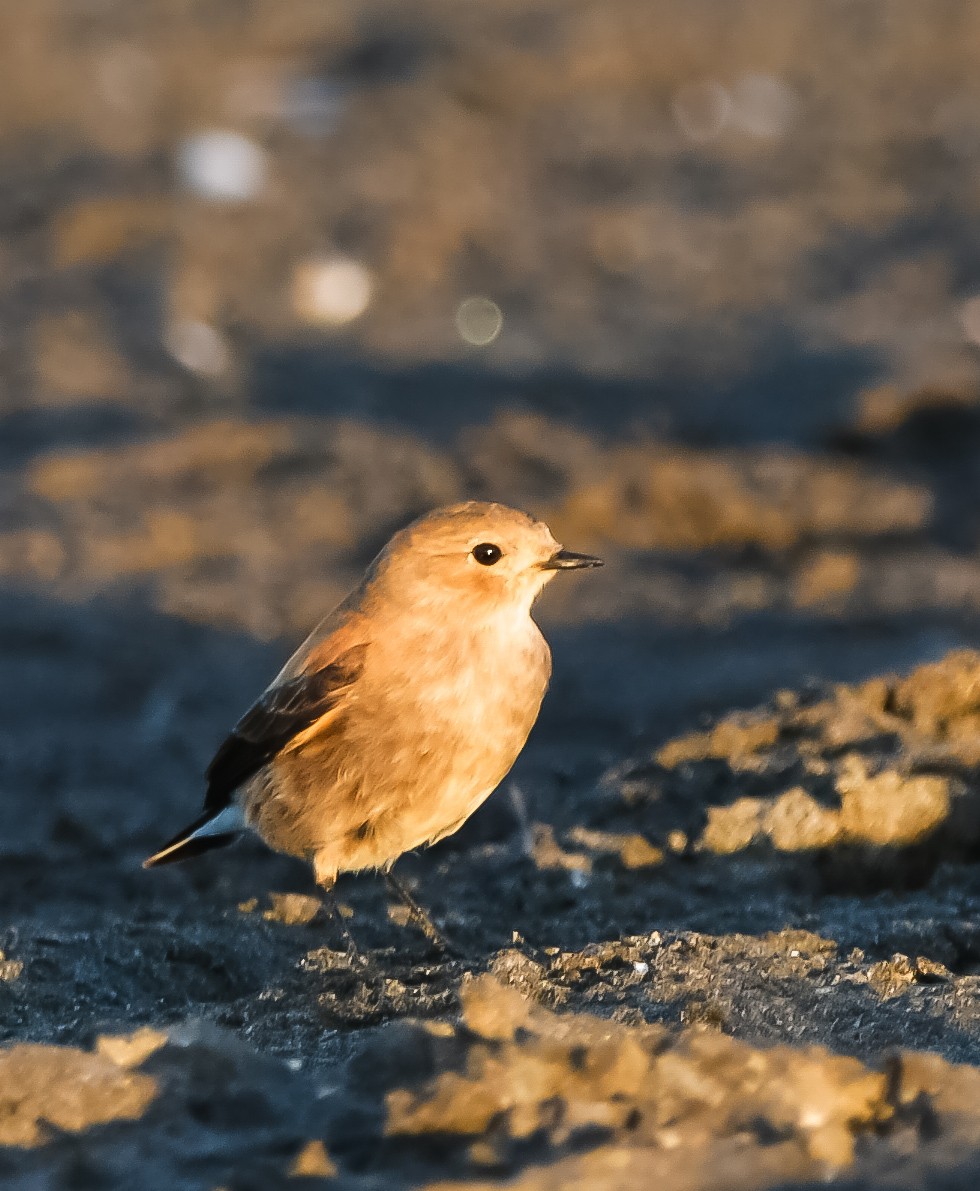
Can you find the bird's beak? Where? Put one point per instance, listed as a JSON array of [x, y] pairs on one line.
[[568, 560]]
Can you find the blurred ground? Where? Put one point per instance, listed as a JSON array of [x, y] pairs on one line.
[[698, 283]]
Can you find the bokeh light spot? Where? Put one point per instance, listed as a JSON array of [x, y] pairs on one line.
[[199, 347], [763, 105], [479, 321], [702, 109], [222, 166], [332, 291]]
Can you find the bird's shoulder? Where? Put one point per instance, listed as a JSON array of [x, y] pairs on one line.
[[304, 698]]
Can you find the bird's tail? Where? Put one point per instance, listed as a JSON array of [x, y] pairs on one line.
[[215, 829]]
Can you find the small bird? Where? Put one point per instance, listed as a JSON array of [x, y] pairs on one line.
[[402, 711]]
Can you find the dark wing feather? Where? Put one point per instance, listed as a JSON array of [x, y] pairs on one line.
[[285, 710]]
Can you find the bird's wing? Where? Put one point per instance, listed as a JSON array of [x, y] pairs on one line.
[[299, 702]]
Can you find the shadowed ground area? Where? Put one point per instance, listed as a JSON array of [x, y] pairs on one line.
[[722, 922]]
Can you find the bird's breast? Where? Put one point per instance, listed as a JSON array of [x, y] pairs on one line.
[[445, 686]]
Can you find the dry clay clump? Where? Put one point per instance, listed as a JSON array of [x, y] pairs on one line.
[[883, 765], [61, 1088], [263, 523], [227, 516], [662, 496], [670, 1110], [674, 498]]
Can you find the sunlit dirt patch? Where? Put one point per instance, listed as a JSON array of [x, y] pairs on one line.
[[258, 523], [678, 499], [266, 523], [47, 1088], [875, 777], [602, 1103]]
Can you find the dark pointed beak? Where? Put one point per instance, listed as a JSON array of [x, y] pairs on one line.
[[568, 560]]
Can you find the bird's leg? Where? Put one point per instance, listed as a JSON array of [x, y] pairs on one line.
[[326, 879], [335, 916], [419, 916]]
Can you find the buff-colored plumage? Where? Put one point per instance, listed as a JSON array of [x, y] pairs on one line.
[[404, 709]]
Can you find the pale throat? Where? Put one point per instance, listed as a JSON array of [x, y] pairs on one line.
[[451, 618]]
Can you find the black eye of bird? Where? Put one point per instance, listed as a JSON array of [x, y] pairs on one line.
[[487, 553]]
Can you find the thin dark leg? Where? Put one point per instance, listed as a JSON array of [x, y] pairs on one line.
[[418, 914], [333, 912]]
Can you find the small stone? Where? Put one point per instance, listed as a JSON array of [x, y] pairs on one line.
[[131, 1050], [484, 1153], [517, 970], [931, 971], [632, 849], [399, 914], [637, 852], [10, 969], [292, 909], [890, 809], [313, 1162], [891, 977], [732, 828], [828, 575], [547, 853], [493, 1010], [796, 822]]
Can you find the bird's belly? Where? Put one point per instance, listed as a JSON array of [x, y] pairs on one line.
[[373, 817], [376, 787], [457, 767]]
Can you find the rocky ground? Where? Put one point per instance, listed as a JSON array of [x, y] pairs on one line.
[[722, 923]]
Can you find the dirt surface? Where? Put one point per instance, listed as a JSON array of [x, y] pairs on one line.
[[722, 923]]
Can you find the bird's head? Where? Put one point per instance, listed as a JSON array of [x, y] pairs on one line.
[[486, 553]]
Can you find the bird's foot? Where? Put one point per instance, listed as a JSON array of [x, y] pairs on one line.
[[422, 920], [350, 948]]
